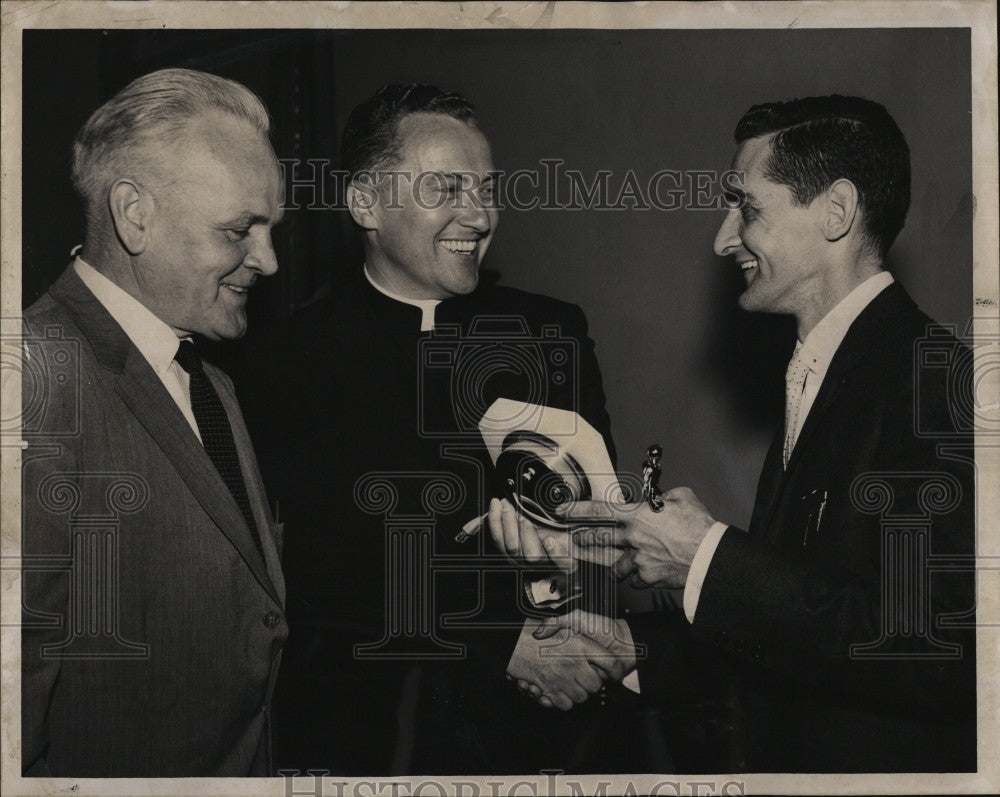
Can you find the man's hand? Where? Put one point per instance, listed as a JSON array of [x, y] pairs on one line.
[[563, 669], [523, 541], [658, 546], [611, 634]]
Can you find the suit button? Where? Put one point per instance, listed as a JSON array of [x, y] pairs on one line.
[[271, 620], [721, 637], [739, 645]]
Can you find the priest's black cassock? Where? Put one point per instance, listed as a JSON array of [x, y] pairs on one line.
[[366, 430]]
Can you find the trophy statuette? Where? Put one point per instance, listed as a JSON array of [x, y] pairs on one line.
[[651, 471]]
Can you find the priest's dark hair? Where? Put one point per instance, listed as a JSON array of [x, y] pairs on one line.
[[370, 142]]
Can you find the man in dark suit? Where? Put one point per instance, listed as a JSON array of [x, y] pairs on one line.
[[854, 649], [153, 597], [401, 634]]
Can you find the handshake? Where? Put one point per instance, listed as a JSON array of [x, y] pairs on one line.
[[562, 660]]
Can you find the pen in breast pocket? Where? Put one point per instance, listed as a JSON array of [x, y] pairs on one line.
[[819, 515], [822, 506]]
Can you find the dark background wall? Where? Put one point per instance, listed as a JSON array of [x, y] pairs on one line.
[[682, 365]]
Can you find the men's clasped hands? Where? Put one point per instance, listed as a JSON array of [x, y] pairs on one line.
[[653, 548]]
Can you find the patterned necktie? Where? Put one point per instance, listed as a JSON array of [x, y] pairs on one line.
[[216, 433], [795, 379]]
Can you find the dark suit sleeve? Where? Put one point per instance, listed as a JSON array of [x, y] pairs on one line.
[[691, 684], [675, 665]]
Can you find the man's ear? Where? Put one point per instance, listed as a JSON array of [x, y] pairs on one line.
[[840, 209], [362, 199], [130, 210]]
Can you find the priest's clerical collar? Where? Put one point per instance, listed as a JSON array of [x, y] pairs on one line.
[[426, 305]]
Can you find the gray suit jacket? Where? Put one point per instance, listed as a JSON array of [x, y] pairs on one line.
[[152, 628]]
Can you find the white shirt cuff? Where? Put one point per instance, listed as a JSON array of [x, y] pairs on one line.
[[699, 568]]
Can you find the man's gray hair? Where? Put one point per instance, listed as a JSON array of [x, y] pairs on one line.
[[148, 113]]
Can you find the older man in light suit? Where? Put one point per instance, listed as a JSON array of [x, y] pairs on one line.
[[153, 621]]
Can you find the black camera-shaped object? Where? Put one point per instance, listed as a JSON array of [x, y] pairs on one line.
[[462, 374], [957, 389], [539, 477], [49, 364]]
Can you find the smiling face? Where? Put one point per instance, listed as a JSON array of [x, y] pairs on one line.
[[433, 221], [777, 243], [210, 228]]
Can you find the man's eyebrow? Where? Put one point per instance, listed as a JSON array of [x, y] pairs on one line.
[[248, 218], [458, 177]]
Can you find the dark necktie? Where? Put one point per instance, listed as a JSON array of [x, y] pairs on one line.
[[216, 433]]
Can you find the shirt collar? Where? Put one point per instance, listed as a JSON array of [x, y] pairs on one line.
[[426, 305], [154, 339], [824, 339]]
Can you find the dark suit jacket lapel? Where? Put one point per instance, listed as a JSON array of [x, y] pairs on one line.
[[869, 326], [143, 393], [856, 345], [769, 487]]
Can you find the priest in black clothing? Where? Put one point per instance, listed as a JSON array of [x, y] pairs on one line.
[[406, 644]]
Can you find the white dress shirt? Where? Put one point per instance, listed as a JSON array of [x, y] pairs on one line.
[[426, 305], [817, 351], [154, 339]]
